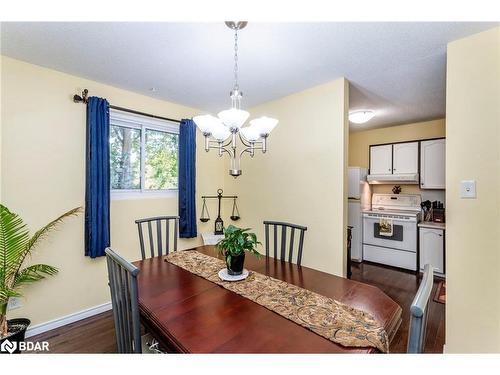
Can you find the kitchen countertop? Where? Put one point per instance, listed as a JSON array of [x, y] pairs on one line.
[[432, 225]]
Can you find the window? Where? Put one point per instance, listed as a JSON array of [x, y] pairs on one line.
[[161, 160], [125, 157], [143, 155]]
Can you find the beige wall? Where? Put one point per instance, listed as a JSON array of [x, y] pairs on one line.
[[301, 177], [43, 174], [360, 141], [473, 227]]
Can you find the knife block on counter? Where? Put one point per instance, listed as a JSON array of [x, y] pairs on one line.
[[438, 215]]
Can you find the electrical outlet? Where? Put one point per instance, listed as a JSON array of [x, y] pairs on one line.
[[14, 303]]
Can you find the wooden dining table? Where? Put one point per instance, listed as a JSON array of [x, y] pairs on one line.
[[189, 314]]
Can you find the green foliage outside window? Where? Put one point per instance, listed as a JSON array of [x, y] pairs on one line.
[[160, 159], [125, 157]]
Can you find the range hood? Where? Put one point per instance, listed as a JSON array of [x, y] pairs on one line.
[[400, 178]]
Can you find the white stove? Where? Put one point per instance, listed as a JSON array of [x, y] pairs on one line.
[[400, 248]]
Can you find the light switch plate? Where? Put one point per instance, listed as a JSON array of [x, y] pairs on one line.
[[468, 189]]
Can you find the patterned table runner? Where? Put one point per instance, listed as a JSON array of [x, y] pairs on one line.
[[331, 319]]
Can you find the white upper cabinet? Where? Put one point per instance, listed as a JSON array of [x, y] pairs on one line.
[[381, 159], [405, 159], [432, 164]]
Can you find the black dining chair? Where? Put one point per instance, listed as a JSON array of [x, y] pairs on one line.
[[281, 236], [171, 229], [124, 299], [419, 311]]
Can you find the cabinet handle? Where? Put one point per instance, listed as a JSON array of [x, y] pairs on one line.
[[440, 235], [389, 169]]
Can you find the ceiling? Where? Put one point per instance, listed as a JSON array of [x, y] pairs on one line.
[[396, 69]]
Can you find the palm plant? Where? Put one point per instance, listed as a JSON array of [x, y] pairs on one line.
[[15, 246]]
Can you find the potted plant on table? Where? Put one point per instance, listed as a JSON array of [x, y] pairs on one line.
[[233, 246], [15, 246]]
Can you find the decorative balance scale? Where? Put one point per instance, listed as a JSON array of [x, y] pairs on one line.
[[219, 223]]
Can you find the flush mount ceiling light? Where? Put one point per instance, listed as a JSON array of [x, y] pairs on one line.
[[360, 117], [220, 132]]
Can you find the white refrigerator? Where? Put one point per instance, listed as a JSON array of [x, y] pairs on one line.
[[360, 197]]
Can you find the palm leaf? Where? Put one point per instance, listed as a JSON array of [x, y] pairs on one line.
[[42, 233], [33, 273], [15, 246], [14, 238], [6, 293]]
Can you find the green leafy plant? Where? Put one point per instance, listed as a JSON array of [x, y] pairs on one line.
[[236, 241], [15, 246]]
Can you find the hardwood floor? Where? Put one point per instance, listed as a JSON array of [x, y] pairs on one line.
[[92, 335], [96, 334], [401, 286]]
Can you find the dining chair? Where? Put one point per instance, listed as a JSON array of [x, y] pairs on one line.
[[419, 311], [125, 303], [168, 232], [282, 237]]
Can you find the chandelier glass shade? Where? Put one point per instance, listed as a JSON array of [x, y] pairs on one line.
[[224, 131]]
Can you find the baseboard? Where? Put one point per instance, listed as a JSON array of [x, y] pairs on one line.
[[64, 320]]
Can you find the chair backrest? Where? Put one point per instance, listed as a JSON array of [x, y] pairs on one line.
[[282, 236], [156, 240], [124, 299], [418, 312]]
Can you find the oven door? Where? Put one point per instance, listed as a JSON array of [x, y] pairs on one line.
[[404, 236]]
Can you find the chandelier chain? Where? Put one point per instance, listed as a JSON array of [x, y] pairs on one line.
[[236, 86], [223, 132]]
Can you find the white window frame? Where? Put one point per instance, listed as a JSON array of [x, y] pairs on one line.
[[142, 123]]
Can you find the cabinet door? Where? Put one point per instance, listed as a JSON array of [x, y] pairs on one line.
[[432, 164], [405, 158], [381, 159], [432, 249]]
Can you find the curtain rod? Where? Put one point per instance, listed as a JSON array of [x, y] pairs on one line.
[[84, 98]]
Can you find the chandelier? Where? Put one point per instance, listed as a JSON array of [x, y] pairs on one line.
[[222, 132]]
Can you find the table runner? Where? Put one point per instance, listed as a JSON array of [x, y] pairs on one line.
[[325, 316]]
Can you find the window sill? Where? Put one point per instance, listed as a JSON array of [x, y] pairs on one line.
[[130, 195]]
